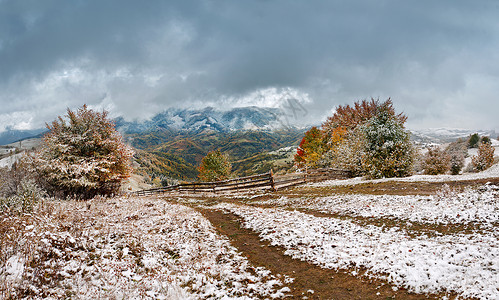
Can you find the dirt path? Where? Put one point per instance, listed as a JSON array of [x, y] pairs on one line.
[[310, 281], [389, 188]]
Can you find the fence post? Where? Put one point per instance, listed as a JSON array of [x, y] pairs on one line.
[[272, 182], [306, 173]]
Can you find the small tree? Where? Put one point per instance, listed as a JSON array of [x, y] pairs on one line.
[[485, 157], [436, 161], [485, 139], [83, 155], [473, 140], [215, 166], [311, 148], [457, 152]]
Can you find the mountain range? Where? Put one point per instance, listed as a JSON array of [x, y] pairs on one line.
[[207, 119], [172, 143], [444, 135]]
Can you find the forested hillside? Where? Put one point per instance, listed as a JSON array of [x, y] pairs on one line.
[[177, 155]]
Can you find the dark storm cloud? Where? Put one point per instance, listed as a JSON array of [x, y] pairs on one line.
[[434, 58]]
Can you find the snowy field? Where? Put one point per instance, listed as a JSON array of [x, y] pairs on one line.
[[446, 207], [465, 263], [127, 248], [492, 172]]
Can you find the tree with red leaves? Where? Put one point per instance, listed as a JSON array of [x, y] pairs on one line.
[[311, 148]]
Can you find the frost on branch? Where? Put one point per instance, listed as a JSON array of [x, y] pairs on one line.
[[83, 155]]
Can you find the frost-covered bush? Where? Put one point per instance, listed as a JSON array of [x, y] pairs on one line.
[[83, 155], [436, 161], [484, 159], [457, 152], [348, 154], [388, 151], [27, 197]]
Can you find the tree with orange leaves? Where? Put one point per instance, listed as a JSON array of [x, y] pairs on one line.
[[83, 155], [367, 138], [311, 149], [348, 117]]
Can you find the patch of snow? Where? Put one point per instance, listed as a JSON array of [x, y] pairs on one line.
[[492, 172], [466, 264], [14, 268], [161, 251], [444, 208]]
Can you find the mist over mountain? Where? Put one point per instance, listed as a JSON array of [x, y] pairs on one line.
[[208, 119], [445, 135]]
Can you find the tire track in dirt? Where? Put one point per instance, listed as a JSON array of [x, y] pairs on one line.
[[325, 283]]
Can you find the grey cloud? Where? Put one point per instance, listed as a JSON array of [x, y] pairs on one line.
[[146, 56]]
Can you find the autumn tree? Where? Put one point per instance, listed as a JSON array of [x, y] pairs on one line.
[[311, 148], [83, 155], [215, 166], [436, 161], [368, 139], [485, 157], [349, 117]]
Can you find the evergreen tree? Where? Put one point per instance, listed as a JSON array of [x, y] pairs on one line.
[[215, 166], [473, 140], [388, 150]]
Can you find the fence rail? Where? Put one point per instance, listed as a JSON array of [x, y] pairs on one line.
[[261, 181]]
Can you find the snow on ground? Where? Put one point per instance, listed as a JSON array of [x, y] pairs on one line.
[[127, 248], [446, 207], [492, 172], [10, 160], [466, 264]]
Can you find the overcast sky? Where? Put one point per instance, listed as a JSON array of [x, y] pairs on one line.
[[437, 60]]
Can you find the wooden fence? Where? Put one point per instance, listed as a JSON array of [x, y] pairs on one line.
[[262, 181]]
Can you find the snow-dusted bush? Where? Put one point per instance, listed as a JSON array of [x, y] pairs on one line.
[[83, 155], [27, 196], [348, 154], [388, 150], [457, 152], [436, 161], [484, 159]]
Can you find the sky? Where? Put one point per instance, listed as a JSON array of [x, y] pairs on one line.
[[437, 60]]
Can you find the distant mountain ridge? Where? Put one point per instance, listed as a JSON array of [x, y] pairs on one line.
[[11, 136], [445, 135], [207, 119]]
